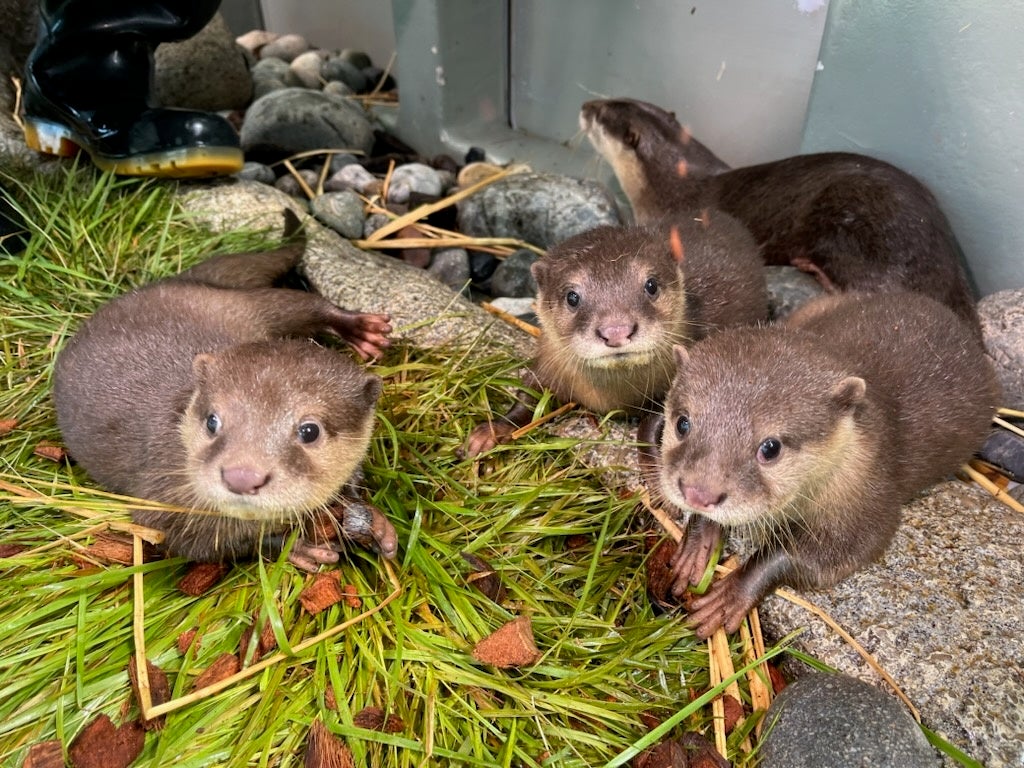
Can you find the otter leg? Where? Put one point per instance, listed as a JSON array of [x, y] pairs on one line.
[[729, 599], [693, 553], [805, 264], [244, 270]]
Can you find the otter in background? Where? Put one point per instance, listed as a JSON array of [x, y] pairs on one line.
[[854, 222]]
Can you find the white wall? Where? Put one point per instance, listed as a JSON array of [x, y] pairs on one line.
[[333, 24]]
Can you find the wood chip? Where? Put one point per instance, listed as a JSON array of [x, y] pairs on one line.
[[330, 698], [512, 645], [111, 548], [351, 593], [325, 750], [701, 752], [324, 592], [201, 577], [484, 578], [667, 754], [159, 691], [659, 572], [778, 681], [375, 719], [186, 639], [733, 711], [10, 550], [45, 754], [49, 451], [225, 666], [7, 426], [266, 642], [101, 745]]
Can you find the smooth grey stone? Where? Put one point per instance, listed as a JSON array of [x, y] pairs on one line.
[[254, 40], [306, 68], [337, 88], [271, 66], [1002, 325], [257, 172], [341, 211], [340, 160], [351, 176], [451, 267], [512, 277], [290, 185], [521, 308], [481, 268], [788, 288], [336, 68], [286, 47], [374, 222], [209, 71], [413, 177], [540, 208], [295, 120], [374, 75], [826, 720], [357, 58]]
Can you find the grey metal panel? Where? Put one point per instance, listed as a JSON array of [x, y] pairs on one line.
[[938, 89]]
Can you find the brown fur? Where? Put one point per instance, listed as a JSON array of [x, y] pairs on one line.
[[854, 222], [135, 387], [718, 283], [872, 398]]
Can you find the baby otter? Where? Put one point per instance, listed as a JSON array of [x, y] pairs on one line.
[[809, 435], [205, 391], [613, 301], [854, 222]]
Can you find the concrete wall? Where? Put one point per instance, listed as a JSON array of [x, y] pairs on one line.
[[334, 24]]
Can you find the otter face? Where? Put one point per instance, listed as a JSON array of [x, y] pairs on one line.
[[275, 429], [755, 431], [612, 298]]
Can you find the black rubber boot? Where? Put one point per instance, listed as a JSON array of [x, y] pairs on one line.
[[87, 85]]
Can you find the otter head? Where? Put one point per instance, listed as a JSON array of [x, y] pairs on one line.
[[758, 426], [275, 429]]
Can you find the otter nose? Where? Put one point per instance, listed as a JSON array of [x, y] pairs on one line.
[[701, 498], [244, 480], [616, 335]]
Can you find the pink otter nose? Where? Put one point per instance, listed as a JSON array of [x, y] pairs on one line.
[[243, 480], [616, 335], [701, 498]]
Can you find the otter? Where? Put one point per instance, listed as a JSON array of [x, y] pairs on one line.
[[206, 391], [852, 221], [807, 437], [612, 302]]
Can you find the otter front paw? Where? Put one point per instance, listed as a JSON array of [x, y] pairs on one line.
[[486, 436], [307, 556], [724, 605], [366, 333], [694, 553]]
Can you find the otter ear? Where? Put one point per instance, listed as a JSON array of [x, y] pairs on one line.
[[202, 364], [682, 356], [849, 392], [371, 389], [631, 138], [538, 269]]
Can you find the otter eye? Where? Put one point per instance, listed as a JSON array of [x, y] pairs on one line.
[[573, 299], [308, 432], [213, 424], [683, 426], [769, 450], [651, 287]]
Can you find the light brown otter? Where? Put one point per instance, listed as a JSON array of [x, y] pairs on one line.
[[612, 303], [205, 391], [854, 222], [807, 437]]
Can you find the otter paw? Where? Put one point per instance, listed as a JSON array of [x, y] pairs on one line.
[[691, 558], [365, 332], [723, 606], [486, 436], [308, 557], [366, 525]]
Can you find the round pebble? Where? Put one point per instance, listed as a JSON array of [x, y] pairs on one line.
[[306, 68], [351, 176], [286, 47], [257, 172], [291, 186], [336, 68], [481, 268], [356, 58], [341, 211], [451, 267], [413, 177], [512, 278]]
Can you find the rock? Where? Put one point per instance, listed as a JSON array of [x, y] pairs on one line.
[[413, 178], [1002, 324], [521, 308], [935, 613], [257, 172], [286, 47], [254, 40], [336, 68], [270, 74], [356, 58], [540, 208], [340, 159], [826, 719], [373, 76], [481, 268], [337, 88], [512, 277], [1005, 450], [293, 120], [291, 186], [788, 288], [341, 211], [451, 267], [374, 222], [208, 71], [306, 68], [351, 176]]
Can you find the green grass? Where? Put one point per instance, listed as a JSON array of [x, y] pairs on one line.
[[570, 553]]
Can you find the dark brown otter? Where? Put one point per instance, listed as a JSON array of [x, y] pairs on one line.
[[807, 437], [614, 301], [205, 391], [854, 222]]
